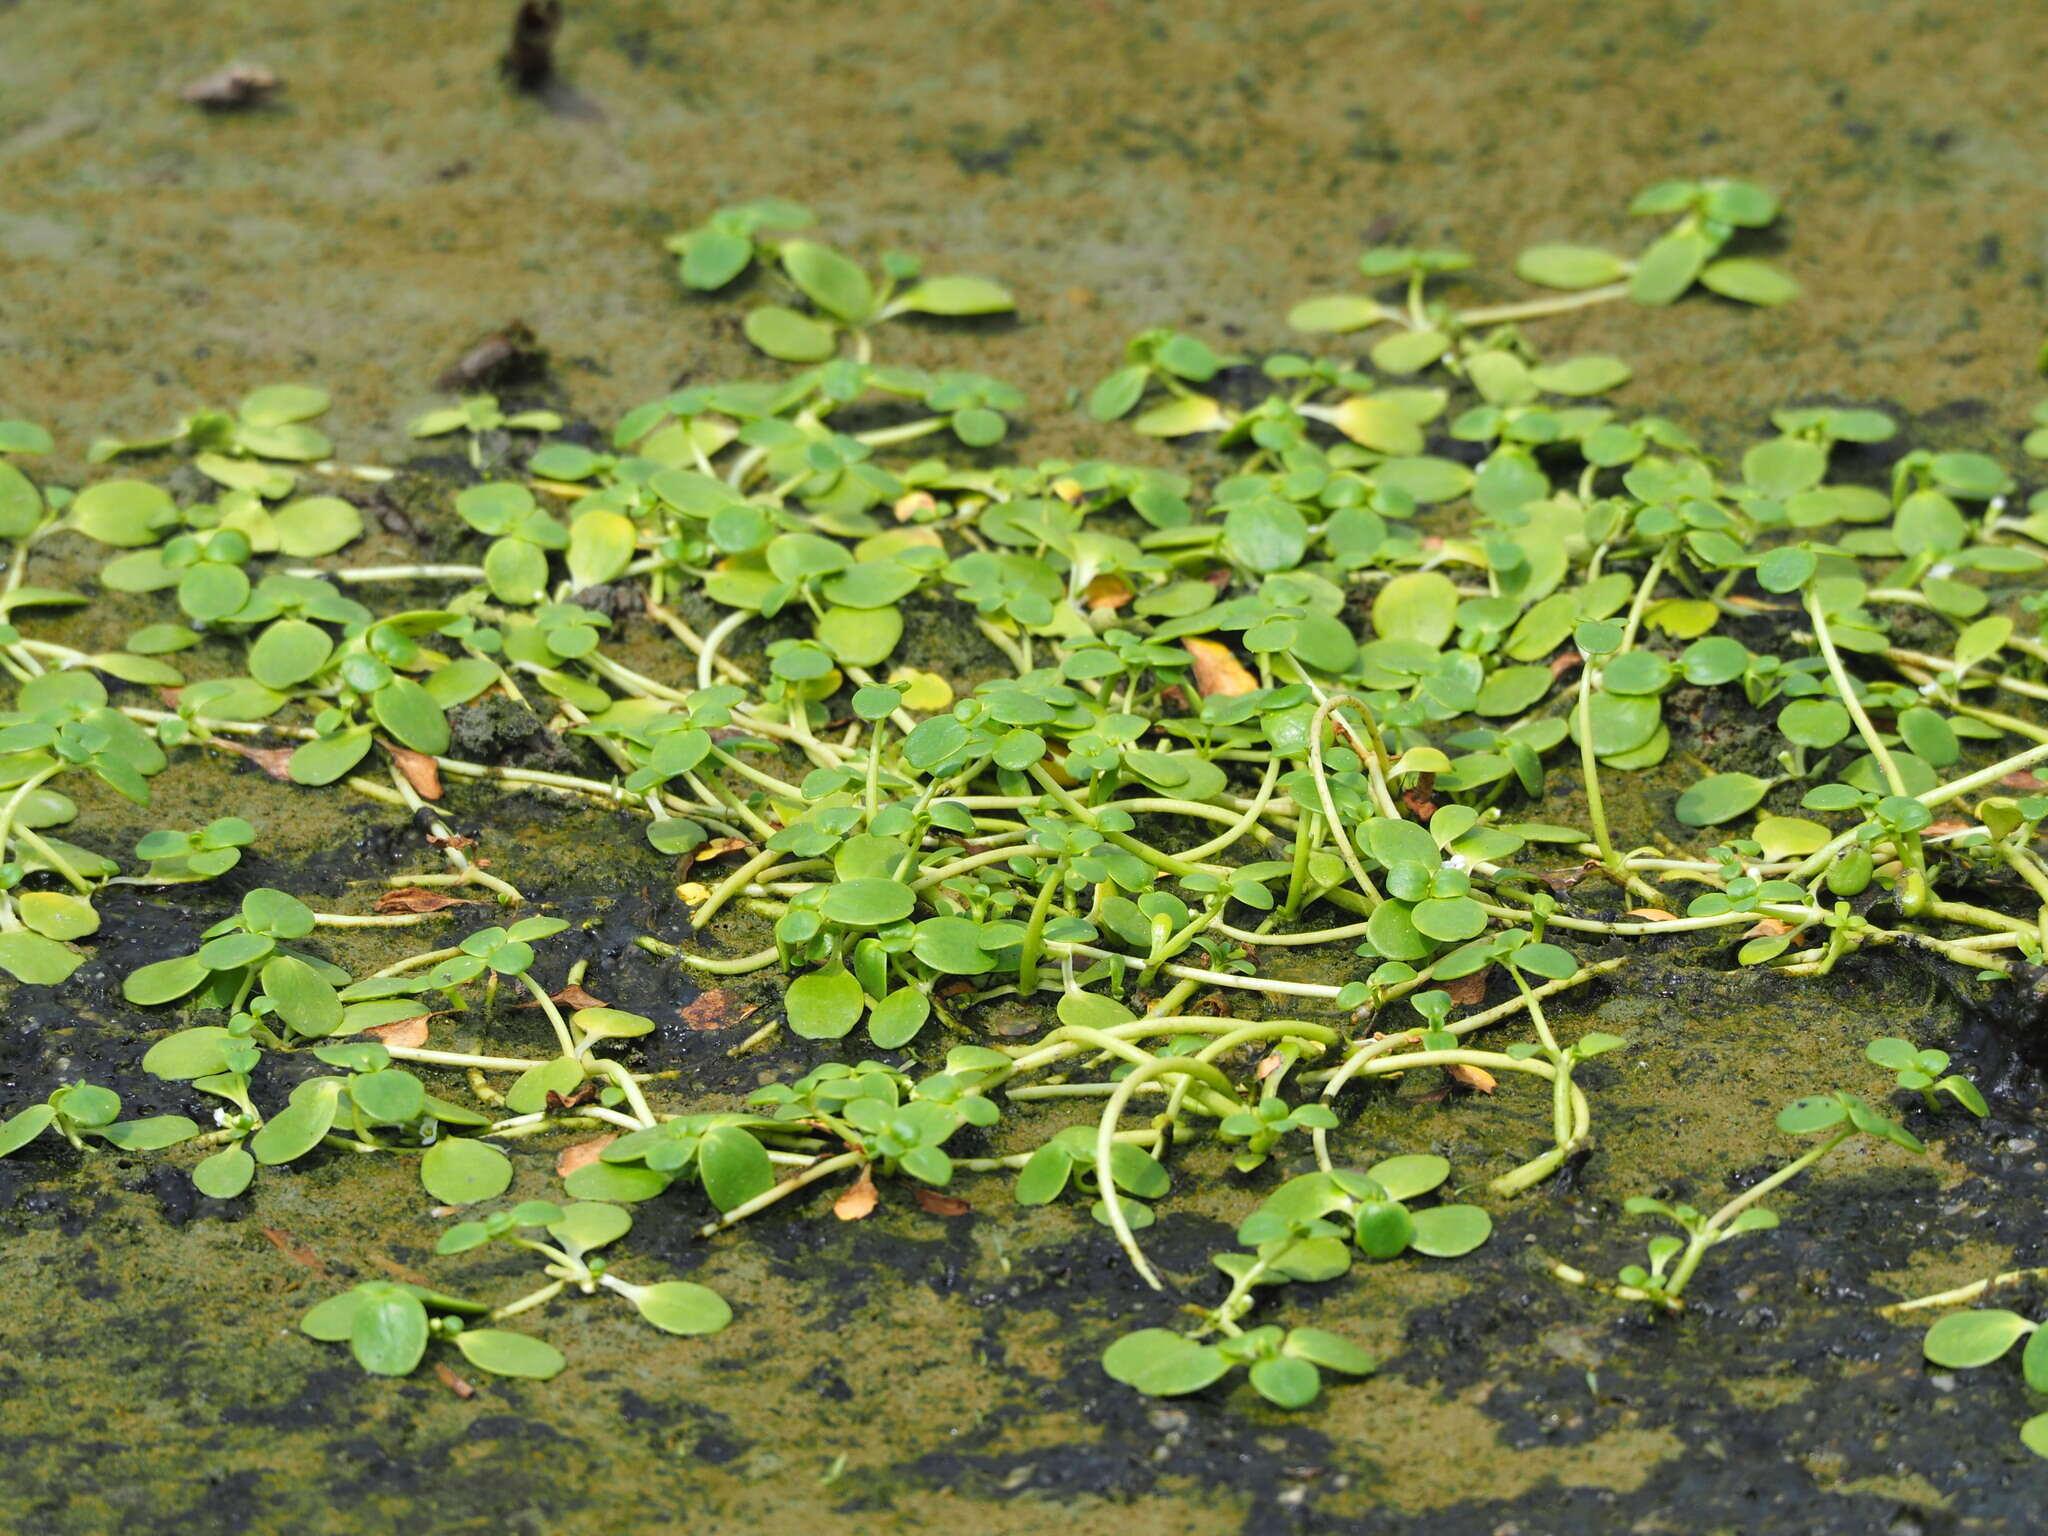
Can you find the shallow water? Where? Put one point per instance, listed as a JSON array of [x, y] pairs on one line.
[[1197, 165]]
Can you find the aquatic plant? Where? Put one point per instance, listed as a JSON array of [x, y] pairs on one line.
[[1355, 691]]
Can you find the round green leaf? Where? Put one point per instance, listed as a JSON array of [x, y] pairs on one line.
[[1817, 1112], [457, 1171], [1331, 1351], [1161, 1363], [1749, 280], [504, 1353], [1384, 1228], [327, 758], [19, 1130], [225, 1174], [316, 525], [1414, 1173], [1963, 1340], [388, 1331], [304, 998], [824, 1004], [1421, 606], [679, 1306], [788, 336], [897, 1018], [57, 914], [1718, 797], [734, 1166], [124, 513], [1450, 1231], [1571, 267], [1286, 1382], [294, 1130], [289, 652]]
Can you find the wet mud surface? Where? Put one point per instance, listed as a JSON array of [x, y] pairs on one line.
[[1133, 165]]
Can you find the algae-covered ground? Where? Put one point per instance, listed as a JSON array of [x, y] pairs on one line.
[[1121, 165]]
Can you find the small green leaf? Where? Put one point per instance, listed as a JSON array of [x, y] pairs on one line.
[[1718, 797], [36, 960], [1285, 1381], [788, 336], [679, 1306], [504, 1353], [1964, 1340], [1161, 1363], [457, 1171], [825, 1004], [19, 1130], [1570, 267], [1450, 1231], [956, 296], [1749, 280], [388, 1331], [224, 1174]]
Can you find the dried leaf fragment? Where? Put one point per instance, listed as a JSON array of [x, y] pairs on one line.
[[715, 1010], [414, 898], [295, 1250], [1107, 593], [1467, 991], [1217, 669], [571, 996], [454, 840], [453, 1382], [275, 761], [1478, 1079], [406, 1034], [232, 86], [582, 1154], [420, 770], [398, 1271], [933, 1203], [859, 1199], [717, 848], [1653, 914]]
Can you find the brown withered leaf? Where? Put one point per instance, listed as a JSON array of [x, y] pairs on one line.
[[275, 761], [2023, 781], [717, 848], [406, 1034], [436, 840], [296, 1251], [414, 898], [917, 503], [716, 1010], [560, 1101], [453, 1382], [1468, 991], [1948, 826], [1107, 593], [1268, 1065], [1215, 1005], [232, 86], [932, 1203], [398, 1271], [1217, 669], [1478, 1079], [1768, 928], [1564, 662], [1417, 798], [858, 1201], [571, 996], [420, 770], [1653, 914], [582, 1155]]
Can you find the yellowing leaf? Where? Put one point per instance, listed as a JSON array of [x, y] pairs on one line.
[[1784, 837], [1217, 669], [1682, 618], [1380, 425]]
